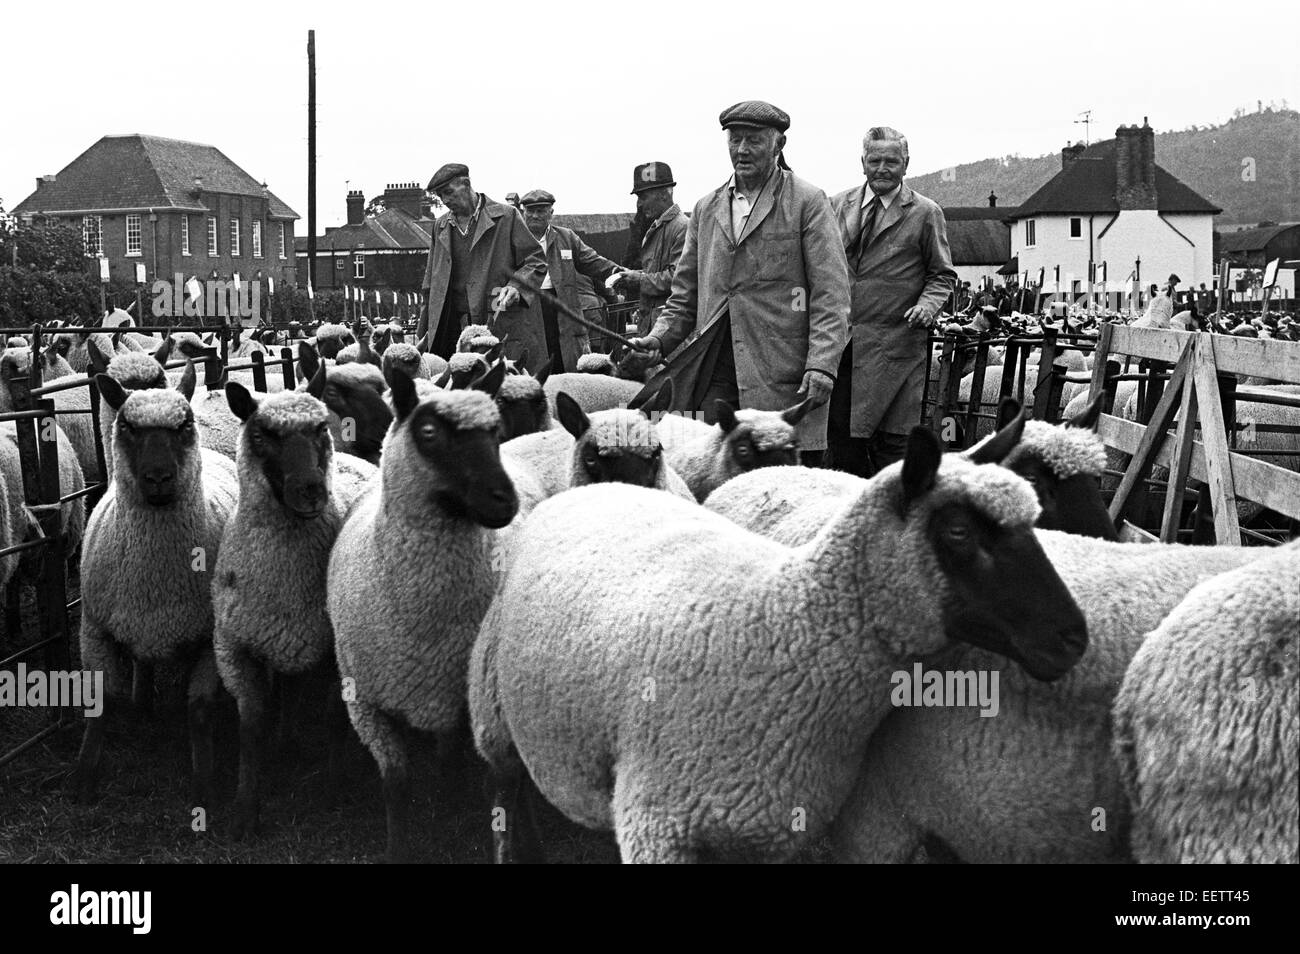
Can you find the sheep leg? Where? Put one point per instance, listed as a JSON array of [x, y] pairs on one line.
[[383, 737], [204, 684], [98, 652], [248, 681], [142, 688], [646, 835], [336, 722], [291, 689], [514, 820]]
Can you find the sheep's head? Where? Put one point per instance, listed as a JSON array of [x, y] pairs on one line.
[[285, 442], [523, 405], [133, 370], [967, 547], [595, 364], [753, 439], [1063, 463], [404, 357], [155, 443], [332, 338], [353, 393], [463, 368], [476, 338], [445, 447], [618, 445]]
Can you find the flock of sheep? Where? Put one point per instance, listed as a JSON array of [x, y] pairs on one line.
[[664, 628]]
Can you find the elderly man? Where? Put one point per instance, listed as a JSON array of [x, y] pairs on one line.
[[571, 266], [661, 245], [901, 270], [761, 289], [483, 261]]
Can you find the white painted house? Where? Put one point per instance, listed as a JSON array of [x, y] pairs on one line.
[[1111, 203]]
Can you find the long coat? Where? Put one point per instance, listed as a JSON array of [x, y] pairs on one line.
[[785, 285], [567, 258], [661, 247], [503, 252], [907, 263]]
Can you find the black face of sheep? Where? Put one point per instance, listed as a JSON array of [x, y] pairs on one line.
[[157, 443], [463, 454], [638, 464], [523, 405], [747, 449], [358, 403], [1005, 595], [293, 453]]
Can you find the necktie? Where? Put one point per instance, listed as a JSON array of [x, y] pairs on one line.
[[868, 223]]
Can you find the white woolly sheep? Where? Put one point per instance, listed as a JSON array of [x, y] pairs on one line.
[[595, 363], [741, 441], [411, 575], [332, 338], [1038, 783], [268, 591], [1207, 722], [697, 688], [134, 371], [146, 567], [593, 392], [476, 338], [409, 359]]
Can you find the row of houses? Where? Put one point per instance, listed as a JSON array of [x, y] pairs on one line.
[[185, 208]]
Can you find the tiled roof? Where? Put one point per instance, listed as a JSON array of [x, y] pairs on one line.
[[142, 172], [1251, 240], [978, 241], [1088, 185], [965, 213], [391, 229]]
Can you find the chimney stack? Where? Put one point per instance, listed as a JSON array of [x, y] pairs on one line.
[[43, 181], [993, 200], [1135, 167], [356, 207], [1071, 153], [406, 196]]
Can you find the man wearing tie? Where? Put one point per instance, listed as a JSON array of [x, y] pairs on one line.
[[901, 273]]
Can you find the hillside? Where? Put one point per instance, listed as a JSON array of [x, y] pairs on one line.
[[1209, 160]]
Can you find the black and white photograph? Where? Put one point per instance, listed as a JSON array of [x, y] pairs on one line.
[[597, 433]]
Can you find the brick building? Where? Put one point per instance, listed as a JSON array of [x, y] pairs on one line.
[[175, 206]]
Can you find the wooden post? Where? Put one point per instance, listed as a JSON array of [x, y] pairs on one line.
[[259, 372], [286, 365], [941, 390], [1179, 466], [1218, 464], [975, 404]]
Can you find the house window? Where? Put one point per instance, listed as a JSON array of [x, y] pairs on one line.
[[257, 238], [234, 238], [338, 264], [1076, 227], [133, 234], [185, 235], [212, 235], [1030, 239], [358, 266], [282, 234], [92, 234]]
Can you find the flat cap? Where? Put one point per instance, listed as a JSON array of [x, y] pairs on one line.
[[452, 170], [755, 112], [651, 175], [537, 197]]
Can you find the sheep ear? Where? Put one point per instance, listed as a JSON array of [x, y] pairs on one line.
[[186, 384], [521, 363], [545, 372], [493, 353], [1090, 416], [308, 359], [160, 355], [110, 391], [316, 384], [793, 415], [726, 416], [490, 383], [95, 354], [443, 378], [572, 416], [210, 339], [404, 397], [994, 450], [240, 400], [920, 465], [1008, 409], [661, 402]]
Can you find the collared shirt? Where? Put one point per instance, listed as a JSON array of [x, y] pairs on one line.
[[886, 201], [741, 205], [473, 219], [546, 282]]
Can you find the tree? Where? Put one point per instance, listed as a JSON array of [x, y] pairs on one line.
[[41, 247]]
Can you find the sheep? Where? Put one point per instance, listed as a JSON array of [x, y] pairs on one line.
[[1207, 722], [477, 338], [353, 393], [150, 549], [706, 692], [134, 371], [410, 360], [593, 392], [71, 481], [73, 347], [1040, 785], [616, 445], [523, 405], [13, 518], [359, 350], [77, 427], [741, 441], [268, 590], [595, 363], [410, 575], [332, 338]]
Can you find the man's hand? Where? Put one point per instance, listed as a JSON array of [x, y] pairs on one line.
[[625, 277], [650, 354], [919, 316], [817, 385], [507, 296]]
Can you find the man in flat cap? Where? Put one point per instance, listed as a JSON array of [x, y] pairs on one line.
[[661, 245], [896, 241], [483, 260], [571, 266], [761, 293]]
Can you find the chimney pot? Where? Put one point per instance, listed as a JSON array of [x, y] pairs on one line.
[[993, 200], [356, 207]]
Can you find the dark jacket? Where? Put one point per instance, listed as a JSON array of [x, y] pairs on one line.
[[568, 260], [661, 247]]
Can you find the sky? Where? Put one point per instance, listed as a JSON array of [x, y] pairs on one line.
[[569, 96]]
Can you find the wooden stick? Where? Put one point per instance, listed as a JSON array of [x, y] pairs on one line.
[[586, 322]]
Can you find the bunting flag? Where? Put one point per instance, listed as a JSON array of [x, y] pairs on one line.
[[310, 293], [376, 296], [270, 284], [236, 282], [194, 289], [394, 299], [1103, 272]]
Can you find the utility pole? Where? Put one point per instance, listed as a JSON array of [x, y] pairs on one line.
[[311, 156], [1086, 122]]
